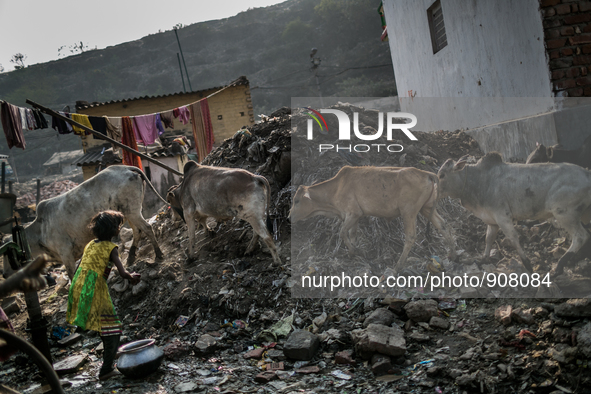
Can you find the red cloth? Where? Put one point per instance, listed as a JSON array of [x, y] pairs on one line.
[[12, 125], [207, 126], [128, 139]]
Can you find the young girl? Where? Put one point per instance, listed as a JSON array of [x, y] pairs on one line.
[[89, 303]]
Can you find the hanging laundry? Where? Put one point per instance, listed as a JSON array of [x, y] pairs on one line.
[[23, 113], [114, 131], [11, 123], [60, 125], [159, 125], [184, 114], [68, 125], [176, 112], [201, 124], [98, 124], [31, 125], [167, 118], [145, 127], [127, 138], [207, 125], [40, 119], [83, 120]]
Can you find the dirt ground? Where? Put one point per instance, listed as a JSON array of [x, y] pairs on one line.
[[240, 301]]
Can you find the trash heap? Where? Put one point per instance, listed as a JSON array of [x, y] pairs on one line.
[[227, 323], [54, 189]]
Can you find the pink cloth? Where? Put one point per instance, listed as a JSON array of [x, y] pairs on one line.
[[145, 129], [184, 114]]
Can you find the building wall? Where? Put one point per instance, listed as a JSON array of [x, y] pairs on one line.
[[495, 49], [567, 33], [233, 105]]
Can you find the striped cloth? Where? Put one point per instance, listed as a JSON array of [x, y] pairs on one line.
[[89, 303]]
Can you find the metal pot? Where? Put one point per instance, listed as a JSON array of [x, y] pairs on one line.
[[140, 358]]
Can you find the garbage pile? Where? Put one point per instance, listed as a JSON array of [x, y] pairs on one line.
[[52, 190], [227, 323]]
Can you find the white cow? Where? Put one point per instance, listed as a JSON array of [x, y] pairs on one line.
[[61, 226]]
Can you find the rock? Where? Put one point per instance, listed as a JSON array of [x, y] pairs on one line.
[[205, 345], [522, 316], [468, 292], [584, 340], [439, 322], [276, 354], [254, 353], [265, 377], [10, 305], [379, 338], [70, 364], [379, 316], [139, 288], [421, 310], [578, 307], [540, 312], [380, 364], [185, 387], [417, 336], [176, 350], [301, 345], [70, 340], [308, 369], [503, 314], [344, 357]]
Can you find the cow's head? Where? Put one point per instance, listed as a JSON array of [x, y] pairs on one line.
[[539, 155], [303, 207], [450, 178], [174, 199]]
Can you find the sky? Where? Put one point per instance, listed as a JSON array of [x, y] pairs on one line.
[[38, 28]]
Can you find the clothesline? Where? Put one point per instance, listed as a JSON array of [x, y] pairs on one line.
[[145, 128]]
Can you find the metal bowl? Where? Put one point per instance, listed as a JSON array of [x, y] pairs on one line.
[[139, 358]]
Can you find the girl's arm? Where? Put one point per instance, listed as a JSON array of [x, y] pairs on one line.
[[134, 278]]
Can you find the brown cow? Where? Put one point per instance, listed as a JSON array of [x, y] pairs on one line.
[[223, 193], [387, 192]]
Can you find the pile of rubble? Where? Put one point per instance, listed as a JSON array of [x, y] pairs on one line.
[[227, 323], [54, 189]]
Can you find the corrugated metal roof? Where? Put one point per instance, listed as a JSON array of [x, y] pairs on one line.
[[84, 104], [97, 157], [64, 157]]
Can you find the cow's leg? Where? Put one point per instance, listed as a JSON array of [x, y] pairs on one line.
[[190, 231], [350, 222], [410, 236], [579, 237], [139, 225], [440, 225], [506, 224], [491, 235], [253, 242], [260, 229]]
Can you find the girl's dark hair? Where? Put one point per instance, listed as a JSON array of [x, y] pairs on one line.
[[105, 225]]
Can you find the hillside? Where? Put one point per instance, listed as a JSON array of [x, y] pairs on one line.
[[270, 45]]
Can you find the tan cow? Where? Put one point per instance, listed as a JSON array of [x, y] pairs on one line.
[[387, 192], [223, 193]]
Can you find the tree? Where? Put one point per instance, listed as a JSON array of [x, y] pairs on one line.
[[19, 61], [75, 48], [1, 69]]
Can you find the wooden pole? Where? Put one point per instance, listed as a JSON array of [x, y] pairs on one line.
[[102, 136]]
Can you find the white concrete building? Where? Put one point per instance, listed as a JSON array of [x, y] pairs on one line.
[[501, 70]]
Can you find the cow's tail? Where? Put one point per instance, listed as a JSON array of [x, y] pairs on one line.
[[434, 185], [145, 178], [267, 187]]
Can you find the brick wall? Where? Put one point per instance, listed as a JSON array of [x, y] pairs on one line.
[[567, 33]]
